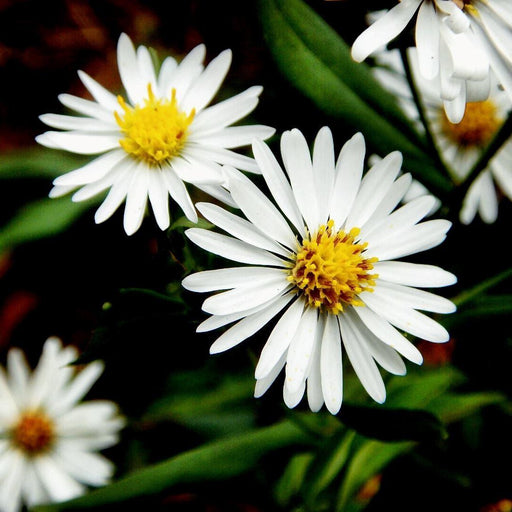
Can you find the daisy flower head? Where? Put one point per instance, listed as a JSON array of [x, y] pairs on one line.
[[323, 262], [448, 48], [162, 134], [48, 440], [460, 145]]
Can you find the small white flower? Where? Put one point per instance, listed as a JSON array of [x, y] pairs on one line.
[[460, 144], [48, 441], [162, 135], [449, 48], [324, 264]]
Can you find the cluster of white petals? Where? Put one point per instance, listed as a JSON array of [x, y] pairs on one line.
[[48, 440], [458, 43], [308, 341], [481, 122], [188, 87]]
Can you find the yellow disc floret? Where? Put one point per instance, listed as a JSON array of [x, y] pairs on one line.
[[33, 433], [331, 271], [480, 122], [154, 132]]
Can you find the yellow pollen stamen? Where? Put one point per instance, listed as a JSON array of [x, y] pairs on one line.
[[154, 132], [480, 122], [330, 269], [34, 433]]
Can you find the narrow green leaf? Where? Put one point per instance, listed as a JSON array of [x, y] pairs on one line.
[[476, 291], [38, 162], [369, 460], [40, 219], [317, 61], [452, 407], [215, 461], [328, 464], [292, 480]]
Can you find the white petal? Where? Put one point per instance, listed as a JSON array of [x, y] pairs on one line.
[[297, 161], [406, 318], [187, 72], [414, 298], [84, 124], [261, 212], [234, 136], [349, 169], [93, 171], [314, 381], [323, 170], [277, 184], [388, 334], [264, 383], [427, 40], [248, 326], [178, 192], [240, 228], [129, 72], [226, 112], [231, 248], [18, 373], [226, 278], [279, 339], [104, 97], [57, 483], [301, 350], [384, 29], [146, 68], [87, 108], [80, 143], [246, 297], [362, 361], [159, 199], [374, 187], [208, 83], [136, 200], [331, 367], [413, 274]]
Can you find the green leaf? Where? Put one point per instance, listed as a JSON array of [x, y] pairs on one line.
[[393, 424], [318, 63], [40, 219], [328, 464], [38, 163], [453, 407], [369, 459], [292, 480], [215, 461]]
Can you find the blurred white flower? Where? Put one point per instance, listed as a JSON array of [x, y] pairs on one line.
[[458, 42], [162, 135], [48, 440], [460, 145], [324, 264]]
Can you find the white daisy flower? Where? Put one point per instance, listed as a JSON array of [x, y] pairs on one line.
[[460, 145], [48, 441], [448, 48], [162, 135], [324, 263]]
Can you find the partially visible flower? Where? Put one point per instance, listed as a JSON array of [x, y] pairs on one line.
[[449, 48], [460, 145], [162, 135], [48, 440], [324, 264]]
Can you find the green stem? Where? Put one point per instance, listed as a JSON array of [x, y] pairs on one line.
[[469, 295]]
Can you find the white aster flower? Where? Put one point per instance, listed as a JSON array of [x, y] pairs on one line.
[[460, 145], [448, 48], [324, 264], [162, 135], [48, 441]]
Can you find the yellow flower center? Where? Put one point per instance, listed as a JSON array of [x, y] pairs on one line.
[[331, 271], [154, 132], [34, 433], [480, 122]]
